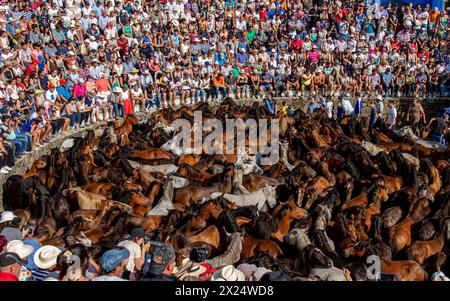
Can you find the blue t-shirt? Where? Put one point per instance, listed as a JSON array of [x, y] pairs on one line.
[[369, 28], [36, 245], [388, 77]]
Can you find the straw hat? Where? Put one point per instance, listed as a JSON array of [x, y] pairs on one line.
[[45, 257], [195, 270], [21, 249], [117, 90], [228, 273], [134, 70]]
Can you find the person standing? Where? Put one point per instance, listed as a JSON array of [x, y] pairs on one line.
[[391, 117], [413, 116], [373, 114], [137, 247], [358, 105], [346, 106], [379, 107], [329, 107]]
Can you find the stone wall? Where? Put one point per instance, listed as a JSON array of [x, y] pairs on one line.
[[26, 162]]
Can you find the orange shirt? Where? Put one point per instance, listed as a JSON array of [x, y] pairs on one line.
[[218, 81], [102, 84], [434, 16]]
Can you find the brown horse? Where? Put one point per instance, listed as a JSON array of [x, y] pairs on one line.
[[152, 154], [99, 187], [421, 250], [189, 159], [287, 212], [251, 246], [125, 129], [253, 182], [399, 236], [188, 195], [318, 187], [406, 270]]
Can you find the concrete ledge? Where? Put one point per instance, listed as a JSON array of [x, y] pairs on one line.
[[24, 163]]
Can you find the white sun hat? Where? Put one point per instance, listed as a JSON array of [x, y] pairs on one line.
[[6, 216], [228, 273], [21, 249], [45, 257]]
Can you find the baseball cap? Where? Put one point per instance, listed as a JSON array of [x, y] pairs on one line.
[[112, 258], [161, 257], [137, 233], [10, 258]]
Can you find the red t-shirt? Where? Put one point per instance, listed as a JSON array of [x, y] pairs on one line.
[[263, 15], [297, 44], [123, 44], [30, 69], [8, 277]]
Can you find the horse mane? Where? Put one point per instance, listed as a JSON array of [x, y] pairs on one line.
[[227, 219], [126, 197], [74, 226]]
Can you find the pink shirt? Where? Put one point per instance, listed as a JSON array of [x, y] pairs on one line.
[[314, 55], [79, 90]]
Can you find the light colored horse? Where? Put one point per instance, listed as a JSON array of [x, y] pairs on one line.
[[247, 163], [231, 255], [283, 158], [163, 168], [166, 202], [407, 131], [331, 274], [371, 148], [259, 198], [87, 200]]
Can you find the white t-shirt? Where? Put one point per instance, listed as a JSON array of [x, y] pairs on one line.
[[329, 109], [135, 252], [49, 95]]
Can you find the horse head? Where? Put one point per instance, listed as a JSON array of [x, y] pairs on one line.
[[271, 195], [317, 258]]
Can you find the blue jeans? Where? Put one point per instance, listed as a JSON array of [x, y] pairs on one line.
[[19, 146], [217, 90], [443, 89], [28, 138], [74, 117], [118, 110]]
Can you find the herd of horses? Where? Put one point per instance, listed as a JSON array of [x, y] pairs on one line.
[[340, 193]]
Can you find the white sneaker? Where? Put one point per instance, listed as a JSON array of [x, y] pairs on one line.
[[3, 171], [7, 168]]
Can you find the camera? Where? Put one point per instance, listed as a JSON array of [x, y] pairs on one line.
[[199, 255]]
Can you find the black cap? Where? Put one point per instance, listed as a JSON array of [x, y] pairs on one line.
[[276, 276], [161, 257], [6, 117], [9, 258], [137, 233]]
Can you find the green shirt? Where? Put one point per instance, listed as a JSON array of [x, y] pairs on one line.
[[250, 35], [235, 72]]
